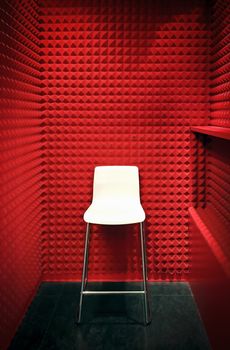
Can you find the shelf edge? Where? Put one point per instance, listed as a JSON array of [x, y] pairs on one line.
[[216, 131]]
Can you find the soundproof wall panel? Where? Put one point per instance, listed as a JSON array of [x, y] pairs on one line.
[[217, 150], [220, 54], [210, 223], [121, 85], [218, 192], [20, 162]]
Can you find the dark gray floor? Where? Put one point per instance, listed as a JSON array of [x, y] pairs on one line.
[[111, 322]]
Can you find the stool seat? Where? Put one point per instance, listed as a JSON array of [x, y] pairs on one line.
[[115, 212]]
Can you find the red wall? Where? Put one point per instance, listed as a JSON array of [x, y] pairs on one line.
[[209, 278], [20, 161], [217, 177], [104, 84], [220, 54], [209, 234], [121, 85]]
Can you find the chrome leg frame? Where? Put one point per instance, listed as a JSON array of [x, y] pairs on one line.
[[144, 271], [84, 271]]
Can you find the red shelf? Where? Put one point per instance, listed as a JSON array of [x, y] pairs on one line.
[[216, 131]]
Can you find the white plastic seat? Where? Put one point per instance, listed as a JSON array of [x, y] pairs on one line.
[[116, 201], [116, 196]]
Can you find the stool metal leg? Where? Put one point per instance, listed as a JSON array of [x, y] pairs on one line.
[[144, 271], [84, 271], [87, 258]]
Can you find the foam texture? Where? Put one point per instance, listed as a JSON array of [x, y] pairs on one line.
[[220, 54], [92, 83], [20, 162], [121, 84]]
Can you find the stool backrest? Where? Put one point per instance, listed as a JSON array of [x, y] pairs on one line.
[[116, 183]]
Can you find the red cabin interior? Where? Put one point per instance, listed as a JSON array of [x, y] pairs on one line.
[[87, 83]]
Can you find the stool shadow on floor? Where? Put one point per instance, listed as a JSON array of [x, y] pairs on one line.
[[116, 309]]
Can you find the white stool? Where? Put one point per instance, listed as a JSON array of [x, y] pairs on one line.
[[116, 201]]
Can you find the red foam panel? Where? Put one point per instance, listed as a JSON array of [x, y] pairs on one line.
[[210, 223], [210, 271], [20, 163], [121, 84], [92, 83], [217, 181], [220, 54]]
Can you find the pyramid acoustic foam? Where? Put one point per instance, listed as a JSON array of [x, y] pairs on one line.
[[20, 162], [217, 155], [122, 82], [220, 55], [217, 211]]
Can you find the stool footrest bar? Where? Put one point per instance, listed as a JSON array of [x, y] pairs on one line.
[[89, 292]]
